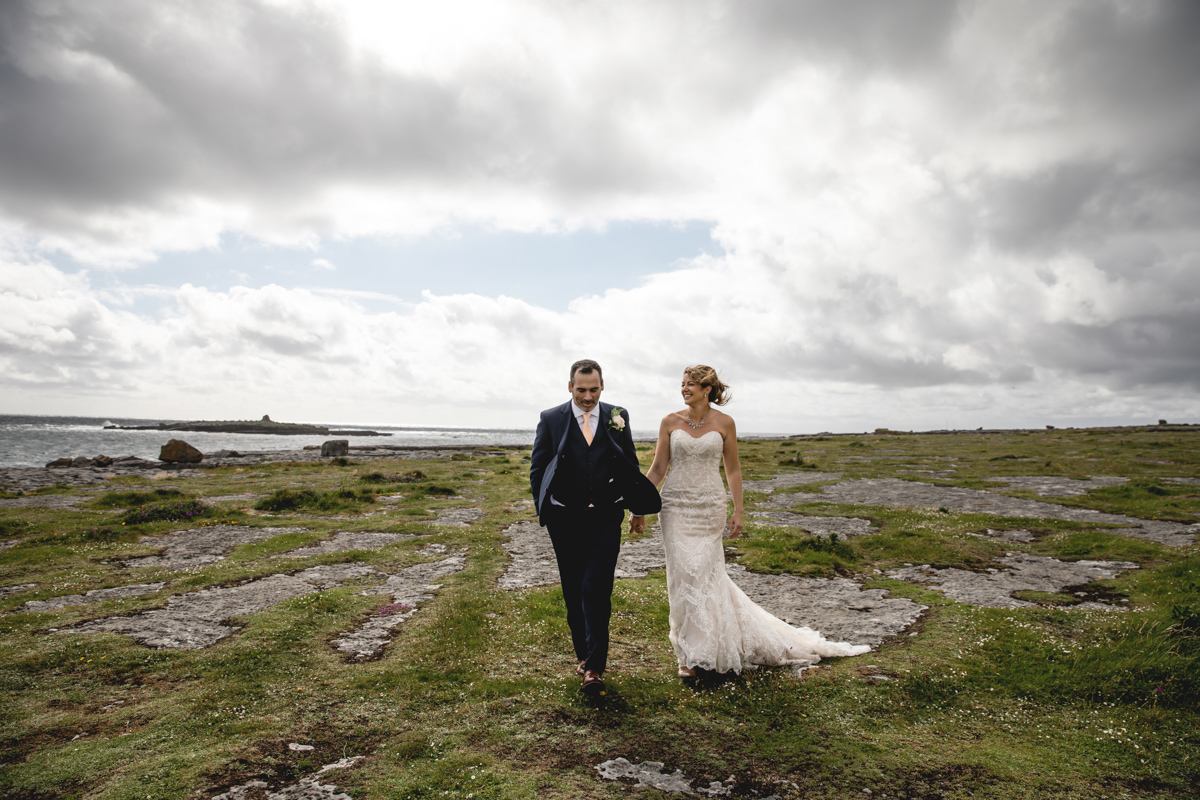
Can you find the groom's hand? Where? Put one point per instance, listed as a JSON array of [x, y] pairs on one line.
[[637, 524]]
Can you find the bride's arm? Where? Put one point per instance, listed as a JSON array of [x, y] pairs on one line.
[[662, 453], [733, 474]]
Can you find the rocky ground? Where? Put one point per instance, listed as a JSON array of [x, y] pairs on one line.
[[842, 608]]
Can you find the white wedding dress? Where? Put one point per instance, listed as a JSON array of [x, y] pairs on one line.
[[714, 625]]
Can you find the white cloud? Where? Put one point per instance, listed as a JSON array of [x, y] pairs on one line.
[[955, 209]]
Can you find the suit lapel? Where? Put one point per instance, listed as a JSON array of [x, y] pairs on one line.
[[568, 421]]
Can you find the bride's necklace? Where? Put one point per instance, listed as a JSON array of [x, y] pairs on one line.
[[696, 425]]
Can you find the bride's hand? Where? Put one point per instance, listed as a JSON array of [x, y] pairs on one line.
[[735, 525]]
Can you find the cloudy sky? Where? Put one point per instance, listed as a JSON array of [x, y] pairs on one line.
[[897, 214]]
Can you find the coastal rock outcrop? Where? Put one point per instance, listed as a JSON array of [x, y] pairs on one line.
[[335, 447], [179, 451]]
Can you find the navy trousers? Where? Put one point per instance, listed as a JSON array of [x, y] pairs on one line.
[[586, 546]]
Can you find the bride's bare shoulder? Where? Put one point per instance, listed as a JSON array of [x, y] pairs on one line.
[[724, 421]]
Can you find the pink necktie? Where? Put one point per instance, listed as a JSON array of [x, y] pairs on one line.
[[587, 428]]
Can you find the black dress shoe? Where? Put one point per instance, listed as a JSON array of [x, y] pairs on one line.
[[582, 668], [593, 684]]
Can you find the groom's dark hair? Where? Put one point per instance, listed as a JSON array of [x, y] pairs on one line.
[[587, 367]]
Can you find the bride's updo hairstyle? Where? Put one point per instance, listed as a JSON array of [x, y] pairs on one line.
[[718, 393]]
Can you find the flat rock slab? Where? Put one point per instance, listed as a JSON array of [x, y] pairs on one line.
[[198, 546], [1025, 572], [650, 774], [94, 596], [244, 497], [304, 789], [533, 563], [60, 502], [787, 480], [642, 556], [409, 588], [20, 587], [457, 517], [348, 540], [1060, 487], [895, 492], [845, 527], [837, 607], [532, 557], [198, 619]]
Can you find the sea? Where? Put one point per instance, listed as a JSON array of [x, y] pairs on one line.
[[31, 441]]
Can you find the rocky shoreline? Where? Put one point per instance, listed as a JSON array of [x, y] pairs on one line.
[[83, 471]]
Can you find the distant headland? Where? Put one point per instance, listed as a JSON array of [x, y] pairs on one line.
[[264, 425]]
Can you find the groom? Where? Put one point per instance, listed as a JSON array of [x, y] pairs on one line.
[[584, 473]]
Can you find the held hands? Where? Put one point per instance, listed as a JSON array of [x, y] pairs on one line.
[[637, 525], [735, 525]]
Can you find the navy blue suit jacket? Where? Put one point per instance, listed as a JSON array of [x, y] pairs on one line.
[[550, 441]]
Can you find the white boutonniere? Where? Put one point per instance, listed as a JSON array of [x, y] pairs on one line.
[[617, 423]]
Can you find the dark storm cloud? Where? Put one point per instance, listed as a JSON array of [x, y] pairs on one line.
[[855, 35], [111, 104]]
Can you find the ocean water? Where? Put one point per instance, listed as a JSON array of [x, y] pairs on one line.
[[33, 441]]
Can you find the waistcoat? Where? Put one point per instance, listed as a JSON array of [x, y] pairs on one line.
[[585, 475]]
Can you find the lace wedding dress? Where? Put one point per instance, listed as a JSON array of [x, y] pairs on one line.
[[714, 625]]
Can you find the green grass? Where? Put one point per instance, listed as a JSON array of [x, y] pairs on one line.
[[136, 498], [475, 696], [340, 500]]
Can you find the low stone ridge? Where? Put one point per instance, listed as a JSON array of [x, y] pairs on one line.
[[94, 596], [1048, 486], [20, 587], [197, 546], [650, 773], [837, 607], [409, 588], [198, 619], [179, 451], [845, 527], [304, 789], [348, 540], [896, 492], [457, 517], [1025, 572]]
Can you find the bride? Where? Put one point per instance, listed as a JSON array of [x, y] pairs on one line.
[[714, 625]]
